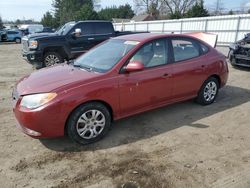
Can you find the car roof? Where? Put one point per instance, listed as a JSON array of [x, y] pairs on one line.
[[141, 37], [95, 21]]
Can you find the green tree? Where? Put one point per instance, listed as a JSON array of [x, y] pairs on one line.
[[86, 12], [123, 11], [175, 15], [48, 20], [108, 13], [1, 23], [231, 12], [18, 22], [197, 10], [68, 10]]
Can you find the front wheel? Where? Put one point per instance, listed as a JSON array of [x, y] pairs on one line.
[[52, 58], [208, 91], [89, 123], [18, 40]]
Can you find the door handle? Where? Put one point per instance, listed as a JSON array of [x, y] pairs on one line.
[[166, 75], [91, 38]]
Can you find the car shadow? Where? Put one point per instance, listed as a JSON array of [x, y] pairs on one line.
[[156, 122], [242, 68]]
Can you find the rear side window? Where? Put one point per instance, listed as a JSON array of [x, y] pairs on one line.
[[86, 28], [185, 49], [204, 48], [103, 28]]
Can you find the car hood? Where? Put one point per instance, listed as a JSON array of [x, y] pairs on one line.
[[60, 77], [36, 36]]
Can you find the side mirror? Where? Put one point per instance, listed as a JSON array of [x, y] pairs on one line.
[[134, 66], [77, 32]]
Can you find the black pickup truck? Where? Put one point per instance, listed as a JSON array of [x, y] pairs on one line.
[[68, 42]]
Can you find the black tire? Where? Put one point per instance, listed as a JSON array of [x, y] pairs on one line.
[[203, 97], [73, 125], [52, 58], [18, 40]]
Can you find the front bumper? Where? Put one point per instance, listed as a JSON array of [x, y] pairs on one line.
[[239, 60], [44, 122], [33, 57]]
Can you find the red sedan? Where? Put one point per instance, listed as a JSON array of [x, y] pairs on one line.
[[121, 77]]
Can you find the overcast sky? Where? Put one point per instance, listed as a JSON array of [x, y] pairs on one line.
[[34, 9]]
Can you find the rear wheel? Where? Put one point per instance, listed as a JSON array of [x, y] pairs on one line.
[[89, 123], [208, 91], [52, 58]]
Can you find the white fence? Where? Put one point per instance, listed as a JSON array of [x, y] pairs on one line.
[[228, 28]]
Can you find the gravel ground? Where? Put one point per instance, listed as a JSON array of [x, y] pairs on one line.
[[182, 145]]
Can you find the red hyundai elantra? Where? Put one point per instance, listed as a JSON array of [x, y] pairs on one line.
[[121, 77]]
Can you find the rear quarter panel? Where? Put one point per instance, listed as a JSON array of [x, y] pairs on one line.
[[217, 65]]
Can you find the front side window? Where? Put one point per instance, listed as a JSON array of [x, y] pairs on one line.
[[103, 28], [185, 49], [152, 54], [86, 28], [63, 30], [104, 57]]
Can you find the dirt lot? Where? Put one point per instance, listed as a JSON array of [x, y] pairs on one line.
[[182, 145]]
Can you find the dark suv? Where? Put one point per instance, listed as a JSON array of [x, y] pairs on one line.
[[68, 42]]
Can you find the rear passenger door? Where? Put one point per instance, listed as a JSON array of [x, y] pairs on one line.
[[188, 66]]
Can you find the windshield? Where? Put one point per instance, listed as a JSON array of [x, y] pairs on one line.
[[63, 30], [104, 57]]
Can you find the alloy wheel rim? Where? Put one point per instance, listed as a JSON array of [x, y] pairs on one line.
[[210, 91], [90, 124], [51, 60]]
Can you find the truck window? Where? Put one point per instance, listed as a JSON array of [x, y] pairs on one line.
[[103, 28], [87, 28]]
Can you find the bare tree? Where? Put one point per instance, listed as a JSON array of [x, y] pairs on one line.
[[219, 7], [170, 7], [149, 6], [179, 6]]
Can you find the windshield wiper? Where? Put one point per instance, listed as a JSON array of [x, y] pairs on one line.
[[83, 67]]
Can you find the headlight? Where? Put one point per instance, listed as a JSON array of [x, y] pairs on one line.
[[37, 100], [33, 44]]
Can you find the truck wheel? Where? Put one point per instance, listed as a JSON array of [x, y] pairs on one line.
[[89, 123], [18, 40], [52, 58]]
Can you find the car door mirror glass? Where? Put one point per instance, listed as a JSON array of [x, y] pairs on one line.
[[134, 66]]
